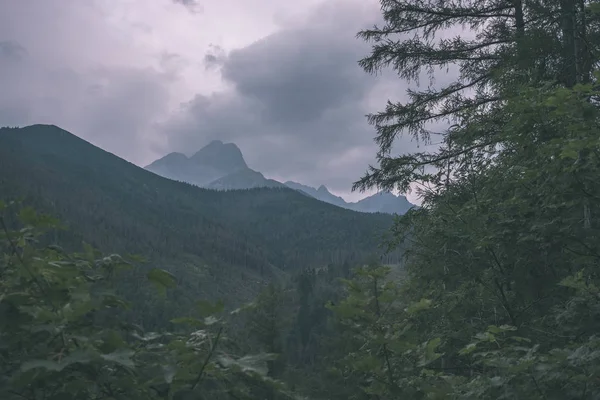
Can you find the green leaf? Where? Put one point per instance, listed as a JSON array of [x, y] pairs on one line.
[[189, 321], [506, 328], [28, 216], [148, 336], [137, 258], [594, 8], [494, 329], [110, 300], [256, 363], [433, 344], [169, 372], [210, 320], [45, 364], [112, 340], [430, 354], [81, 356], [206, 308], [89, 252], [122, 357], [247, 306], [162, 279], [422, 305], [18, 298], [471, 347]]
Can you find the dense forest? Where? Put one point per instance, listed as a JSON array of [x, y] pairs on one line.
[[225, 245], [498, 294]]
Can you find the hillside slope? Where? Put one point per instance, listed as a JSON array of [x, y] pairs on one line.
[[220, 244], [243, 179]]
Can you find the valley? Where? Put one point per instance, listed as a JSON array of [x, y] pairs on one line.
[[220, 244]]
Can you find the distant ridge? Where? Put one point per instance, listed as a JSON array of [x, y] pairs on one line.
[[384, 202], [221, 166]]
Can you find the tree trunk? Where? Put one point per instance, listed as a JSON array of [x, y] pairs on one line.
[[569, 53]]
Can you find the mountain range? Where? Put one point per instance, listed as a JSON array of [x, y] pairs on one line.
[[221, 166], [219, 244]]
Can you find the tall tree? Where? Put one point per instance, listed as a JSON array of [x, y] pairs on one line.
[[505, 43], [506, 247], [267, 324]]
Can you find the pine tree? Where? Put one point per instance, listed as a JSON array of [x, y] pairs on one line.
[[506, 245], [504, 43]]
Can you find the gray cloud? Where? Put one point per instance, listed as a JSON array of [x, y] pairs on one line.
[[192, 5], [215, 57], [298, 101], [298, 75], [112, 106], [12, 51]]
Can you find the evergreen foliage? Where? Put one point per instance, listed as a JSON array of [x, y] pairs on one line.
[[501, 292], [59, 338]]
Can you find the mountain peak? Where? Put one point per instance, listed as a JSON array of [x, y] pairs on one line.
[[168, 161], [226, 157], [384, 201], [174, 156], [322, 189]]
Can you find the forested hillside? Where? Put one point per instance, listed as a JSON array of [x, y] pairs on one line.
[[219, 244]]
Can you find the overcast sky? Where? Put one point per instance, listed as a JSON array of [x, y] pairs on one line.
[[142, 78]]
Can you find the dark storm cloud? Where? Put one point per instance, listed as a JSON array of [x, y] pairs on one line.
[[47, 76], [298, 101], [12, 51], [299, 75], [192, 5]]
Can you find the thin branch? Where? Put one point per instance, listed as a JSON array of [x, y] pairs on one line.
[[208, 357]]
